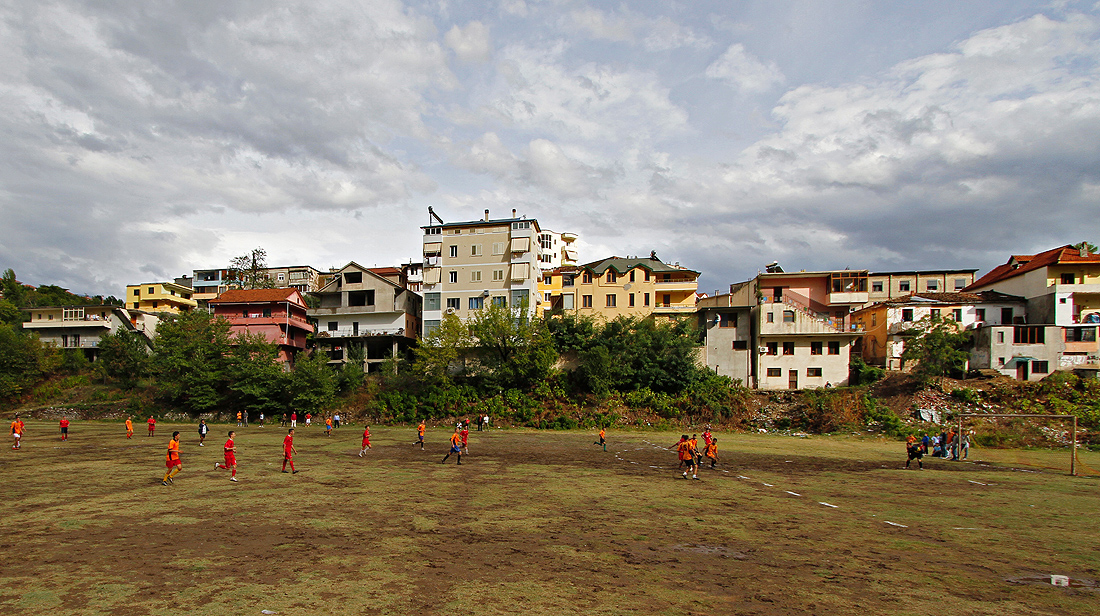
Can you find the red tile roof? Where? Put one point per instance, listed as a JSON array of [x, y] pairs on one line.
[[1021, 264], [248, 296], [386, 271]]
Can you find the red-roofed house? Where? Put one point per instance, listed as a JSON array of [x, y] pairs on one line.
[[278, 314]]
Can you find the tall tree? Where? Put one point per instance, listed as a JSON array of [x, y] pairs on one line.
[[443, 350], [191, 360], [250, 270], [516, 349], [24, 361], [938, 347], [313, 384], [257, 381], [125, 357]]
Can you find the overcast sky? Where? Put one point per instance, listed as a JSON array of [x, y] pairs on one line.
[[141, 140]]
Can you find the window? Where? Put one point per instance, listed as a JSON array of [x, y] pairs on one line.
[[586, 277], [646, 277], [630, 300], [267, 313], [631, 275], [244, 313], [548, 280], [876, 287], [135, 308], [788, 316], [475, 276], [151, 290], [611, 276], [771, 317], [332, 325], [834, 347], [526, 224], [1039, 367], [1066, 279], [903, 285], [960, 284], [498, 248], [1080, 334], [1006, 316], [932, 285], [849, 282], [773, 348], [1000, 338], [666, 277], [1029, 335], [566, 280], [813, 371], [740, 345], [431, 301], [452, 277], [935, 312], [775, 372], [453, 251], [957, 314], [545, 241], [156, 304], [567, 301], [475, 250], [586, 301], [353, 277], [454, 302], [727, 320], [815, 348], [874, 319], [500, 301], [433, 231], [667, 299], [979, 314], [477, 303], [137, 293], [547, 296], [361, 298], [1001, 360], [611, 301], [906, 314], [281, 277], [498, 275], [645, 299], [788, 348]]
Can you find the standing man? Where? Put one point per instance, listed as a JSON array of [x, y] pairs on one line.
[[129, 428], [203, 429], [238, 419], [282, 422], [17, 432], [456, 448], [366, 440], [294, 420], [309, 419], [336, 420], [64, 428], [230, 457], [420, 435], [152, 424], [289, 451], [261, 420], [172, 461]]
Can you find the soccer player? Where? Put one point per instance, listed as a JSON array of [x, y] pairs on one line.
[[687, 456], [602, 442], [712, 451], [706, 436], [238, 419], [17, 429], [695, 449], [465, 433], [64, 428], [420, 435], [294, 420], [172, 461], [328, 426], [230, 457], [129, 428], [282, 422], [289, 450], [366, 440], [261, 420], [456, 448], [203, 429], [152, 424], [914, 451], [678, 446], [309, 419]]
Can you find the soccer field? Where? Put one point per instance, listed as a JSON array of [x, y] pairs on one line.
[[536, 523]]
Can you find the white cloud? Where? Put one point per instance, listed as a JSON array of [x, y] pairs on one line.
[[744, 71], [470, 44], [626, 26]]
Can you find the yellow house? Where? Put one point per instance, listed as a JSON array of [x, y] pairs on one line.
[[159, 297], [618, 286]]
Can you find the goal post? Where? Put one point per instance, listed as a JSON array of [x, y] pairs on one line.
[[1073, 434]]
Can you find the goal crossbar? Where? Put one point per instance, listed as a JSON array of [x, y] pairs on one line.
[[1073, 438]]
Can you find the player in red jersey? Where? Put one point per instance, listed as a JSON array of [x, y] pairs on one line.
[[230, 457], [465, 434], [64, 428], [289, 451], [366, 440], [152, 424]]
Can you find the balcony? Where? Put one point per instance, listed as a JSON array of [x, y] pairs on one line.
[[849, 297], [676, 308], [272, 320], [86, 322], [79, 344], [347, 332], [677, 285]]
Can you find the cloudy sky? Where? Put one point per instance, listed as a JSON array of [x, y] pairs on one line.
[[141, 140]]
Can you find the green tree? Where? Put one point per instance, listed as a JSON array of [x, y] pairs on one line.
[[14, 291], [250, 270], [514, 349], [938, 348], [124, 356], [312, 384], [191, 361], [257, 380], [24, 361], [444, 349], [351, 377], [630, 353], [10, 313]]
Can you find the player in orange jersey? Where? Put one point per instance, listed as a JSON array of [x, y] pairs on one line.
[[129, 428], [687, 456], [328, 426], [456, 447], [17, 429], [289, 451], [230, 457], [420, 435], [602, 442], [712, 451], [172, 460], [366, 440]]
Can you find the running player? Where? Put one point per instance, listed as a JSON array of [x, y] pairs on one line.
[[687, 456], [17, 429], [706, 436], [913, 451], [64, 428], [172, 461], [366, 440], [712, 451], [328, 426], [695, 449], [152, 424], [420, 435], [203, 429], [678, 446], [465, 433], [602, 442], [456, 448], [289, 450], [230, 457], [129, 428]]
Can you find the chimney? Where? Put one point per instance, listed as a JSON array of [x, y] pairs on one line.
[[513, 212], [486, 215]]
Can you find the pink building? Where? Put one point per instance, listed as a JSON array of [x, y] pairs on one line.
[[278, 314]]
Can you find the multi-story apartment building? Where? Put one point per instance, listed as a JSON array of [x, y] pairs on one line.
[[556, 249], [617, 286], [303, 278], [277, 314], [82, 327], [159, 297], [414, 275], [208, 284], [726, 320], [366, 308], [472, 264], [888, 324], [884, 286], [1062, 289]]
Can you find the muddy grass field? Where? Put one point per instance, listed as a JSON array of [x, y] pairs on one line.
[[536, 523]]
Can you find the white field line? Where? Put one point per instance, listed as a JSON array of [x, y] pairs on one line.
[[768, 484], [895, 524], [794, 493], [827, 504], [977, 482]]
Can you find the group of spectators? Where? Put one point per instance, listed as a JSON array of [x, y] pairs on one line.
[[948, 444]]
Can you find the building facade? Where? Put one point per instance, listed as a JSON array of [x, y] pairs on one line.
[[279, 315], [363, 311], [727, 324], [883, 286], [82, 327], [617, 286], [166, 297], [556, 249], [473, 264]]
